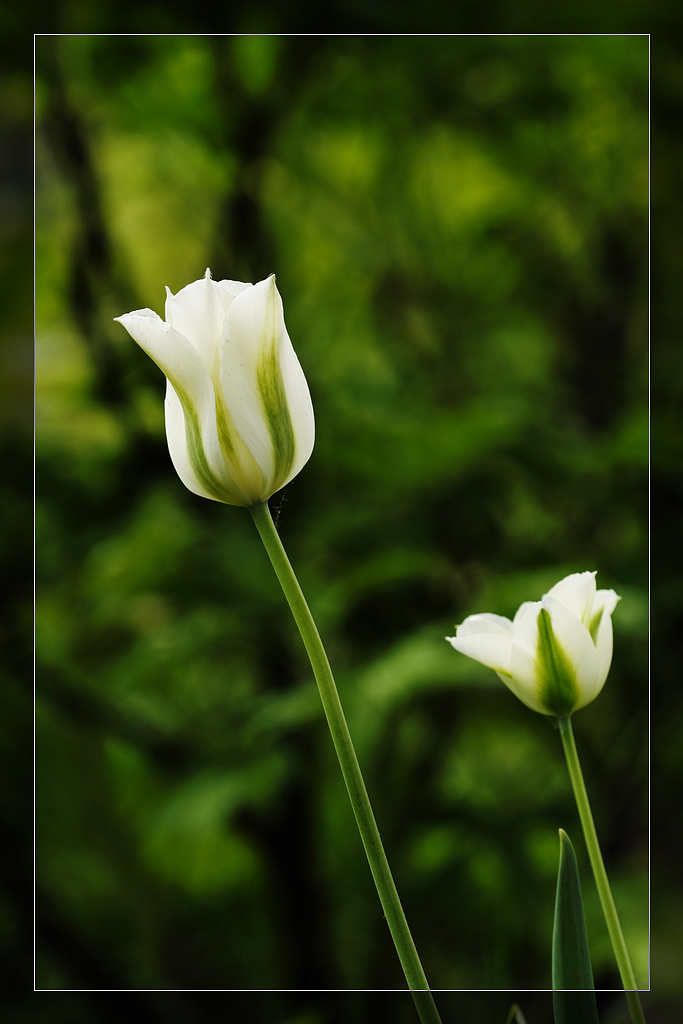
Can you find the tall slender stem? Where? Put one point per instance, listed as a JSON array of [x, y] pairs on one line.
[[341, 738], [602, 883]]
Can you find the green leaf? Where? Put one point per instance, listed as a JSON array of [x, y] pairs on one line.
[[573, 987]]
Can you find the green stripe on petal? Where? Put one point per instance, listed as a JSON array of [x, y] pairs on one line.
[[238, 459], [556, 676], [195, 446], [241, 475], [594, 624], [276, 413]]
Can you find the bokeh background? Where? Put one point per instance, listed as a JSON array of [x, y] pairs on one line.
[[459, 228]]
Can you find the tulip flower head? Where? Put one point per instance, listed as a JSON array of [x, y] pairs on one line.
[[239, 417], [555, 654]]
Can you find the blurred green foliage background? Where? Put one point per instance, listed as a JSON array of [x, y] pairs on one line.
[[459, 228]]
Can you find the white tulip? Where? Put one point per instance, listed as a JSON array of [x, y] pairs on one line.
[[239, 417], [555, 654]]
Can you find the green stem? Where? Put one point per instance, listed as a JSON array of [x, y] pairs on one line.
[[595, 856], [341, 738]]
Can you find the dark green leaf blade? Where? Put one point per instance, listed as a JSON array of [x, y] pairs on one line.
[[573, 986]]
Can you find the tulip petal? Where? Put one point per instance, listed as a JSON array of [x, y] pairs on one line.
[[208, 469], [264, 385], [485, 638], [170, 350], [557, 677], [192, 386], [525, 609], [604, 604], [574, 639], [577, 593], [186, 464], [523, 682], [489, 650], [601, 631], [484, 622], [523, 679], [198, 312]]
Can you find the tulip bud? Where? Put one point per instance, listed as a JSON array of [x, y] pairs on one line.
[[239, 418], [556, 653]]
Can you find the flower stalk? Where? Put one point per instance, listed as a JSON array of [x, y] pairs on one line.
[[601, 881], [348, 762]]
